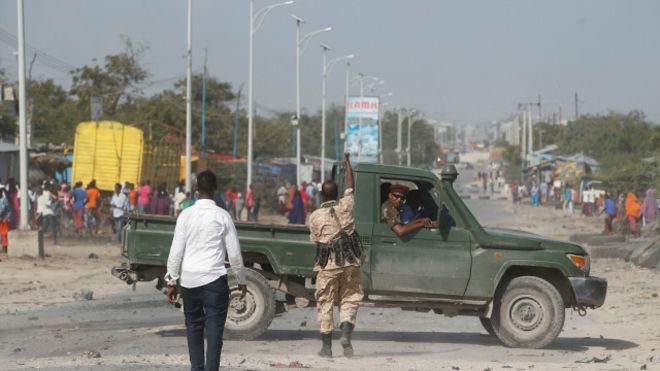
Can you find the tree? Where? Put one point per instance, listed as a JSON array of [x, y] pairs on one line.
[[119, 79], [54, 114]]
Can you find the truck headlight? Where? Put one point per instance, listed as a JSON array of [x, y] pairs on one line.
[[581, 261]]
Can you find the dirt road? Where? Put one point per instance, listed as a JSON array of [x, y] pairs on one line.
[[46, 321]]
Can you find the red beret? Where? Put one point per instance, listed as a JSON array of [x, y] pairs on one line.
[[398, 188]]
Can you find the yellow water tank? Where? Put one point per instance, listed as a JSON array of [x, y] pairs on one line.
[[109, 152]]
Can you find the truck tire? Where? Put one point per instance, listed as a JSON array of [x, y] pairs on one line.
[[488, 325], [529, 313], [249, 318]]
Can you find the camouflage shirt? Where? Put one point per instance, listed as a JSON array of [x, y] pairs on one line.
[[323, 227]]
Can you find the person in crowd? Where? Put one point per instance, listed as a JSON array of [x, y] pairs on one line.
[[5, 217], [311, 194], [65, 216], [14, 204], [239, 204], [514, 192], [132, 198], [536, 198], [46, 208], [230, 198], [609, 208], [281, 199], [305, 196], [118, 205], [297, 212], [144, 198], [250, 203], [649, 209], [632, 212], [179, 198], [160, 201], [92, 208], [79, 198], [204, 237], [568, 199], [289, 198], [543, 189]]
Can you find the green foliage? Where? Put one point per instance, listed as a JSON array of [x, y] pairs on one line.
[[119, 79], [54, 114]]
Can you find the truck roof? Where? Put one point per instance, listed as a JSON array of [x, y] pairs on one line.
[[390, 169]]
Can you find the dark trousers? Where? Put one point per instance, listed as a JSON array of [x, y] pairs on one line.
[[205, 308], [49, 221]]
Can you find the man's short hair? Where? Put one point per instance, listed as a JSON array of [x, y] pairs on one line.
[[329, 190], [207, 182]]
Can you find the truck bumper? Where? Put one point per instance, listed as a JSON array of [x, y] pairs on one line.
[[589, 291]]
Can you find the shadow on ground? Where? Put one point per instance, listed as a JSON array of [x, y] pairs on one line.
[[571, 344]]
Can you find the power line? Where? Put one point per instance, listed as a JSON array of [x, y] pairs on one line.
[[45, 58]]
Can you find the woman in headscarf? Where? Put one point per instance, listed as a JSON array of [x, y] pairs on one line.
[[649, 208], [632, 212], [297, 213]]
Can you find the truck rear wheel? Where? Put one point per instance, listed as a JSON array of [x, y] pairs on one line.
[[529, 313], [249, 318]]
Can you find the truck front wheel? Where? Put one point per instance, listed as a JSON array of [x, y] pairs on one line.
[[529, 313], [249, 318]]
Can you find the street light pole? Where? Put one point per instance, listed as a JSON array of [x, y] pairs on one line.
[[411, 121], [380, 127], [327, 68], [299, 51], [253, 17], [22, 123], [189, 102], [348, 67]]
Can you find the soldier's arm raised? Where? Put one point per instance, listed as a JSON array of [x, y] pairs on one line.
[[349, 171]]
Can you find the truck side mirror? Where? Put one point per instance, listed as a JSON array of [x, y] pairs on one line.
[[445, 221]]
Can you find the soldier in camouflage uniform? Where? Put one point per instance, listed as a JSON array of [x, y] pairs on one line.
[[338, 277], [392, 209]]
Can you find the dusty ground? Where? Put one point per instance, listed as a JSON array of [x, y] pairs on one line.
[[45, 323]]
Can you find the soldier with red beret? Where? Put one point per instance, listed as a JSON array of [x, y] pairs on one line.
[[391, 212]]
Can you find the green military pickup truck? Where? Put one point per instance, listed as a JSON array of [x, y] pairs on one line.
[[519, 284]]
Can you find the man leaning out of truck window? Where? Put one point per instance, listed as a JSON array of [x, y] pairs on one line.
[[391, 213], [204, 235]]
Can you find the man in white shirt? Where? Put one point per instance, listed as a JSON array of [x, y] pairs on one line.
[[118, 204], [203, 237], [46, 211]]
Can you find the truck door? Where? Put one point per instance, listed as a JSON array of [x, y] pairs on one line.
[[428, 261]]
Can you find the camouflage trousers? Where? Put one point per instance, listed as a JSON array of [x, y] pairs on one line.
[[342, 286]]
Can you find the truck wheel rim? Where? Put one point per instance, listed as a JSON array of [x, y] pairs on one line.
[[241, 310], [526, 313]]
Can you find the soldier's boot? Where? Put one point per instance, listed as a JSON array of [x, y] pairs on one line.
[[345, 340], [326, 348]]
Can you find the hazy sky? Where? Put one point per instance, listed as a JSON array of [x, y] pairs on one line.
[[461, 61]]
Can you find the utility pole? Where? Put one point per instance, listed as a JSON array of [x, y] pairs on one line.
[[577, 102], [399, 123], [539, 105], [189, 103], [204, 107], [237, 120], [22, 123], [523, 140]]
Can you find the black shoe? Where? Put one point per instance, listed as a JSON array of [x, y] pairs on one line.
[[326, 348], [345, 340]]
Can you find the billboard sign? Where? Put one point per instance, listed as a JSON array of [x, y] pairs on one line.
[[362, 128]]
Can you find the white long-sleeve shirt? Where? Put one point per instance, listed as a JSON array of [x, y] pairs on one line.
[[204, 236]]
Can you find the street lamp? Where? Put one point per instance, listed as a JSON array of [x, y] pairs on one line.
[[257, 18], [300, 48], [327, 68], [380, 126], [411, 121]]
